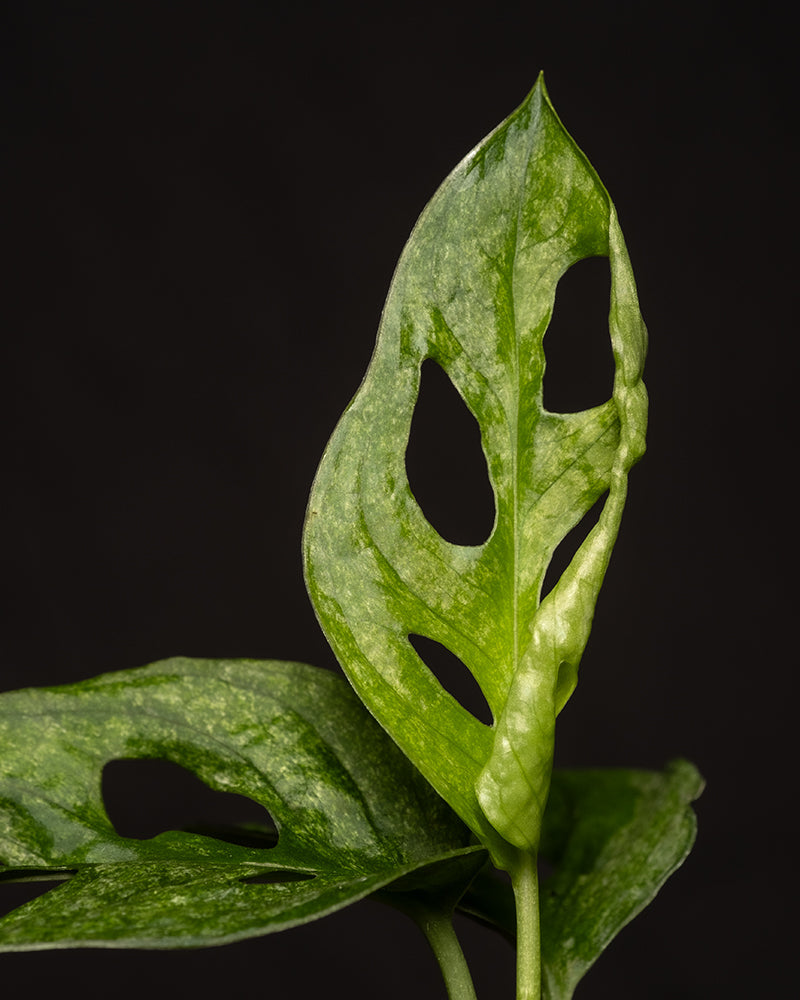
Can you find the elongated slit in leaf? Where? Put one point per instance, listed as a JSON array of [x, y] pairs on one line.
[[454, 676], [569, 545], [579, 363], [277, 876], [445, 463], [146, 797], [14, 893]]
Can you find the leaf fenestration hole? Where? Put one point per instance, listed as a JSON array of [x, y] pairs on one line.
[[14, 893], [579, 369], [277, 876], [454, 676], [445, 464], [144, 797], [569, 545]]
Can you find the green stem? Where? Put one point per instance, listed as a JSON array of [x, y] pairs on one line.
[[438, 929], [525, 882]]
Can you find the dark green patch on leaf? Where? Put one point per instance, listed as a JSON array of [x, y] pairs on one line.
[[352, 815]]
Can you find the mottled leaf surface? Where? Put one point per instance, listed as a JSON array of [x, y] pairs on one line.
[[475, 290], [612, 838], [352, 815]]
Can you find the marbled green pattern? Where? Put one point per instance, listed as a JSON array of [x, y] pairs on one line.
[[614, 837], [474, 290], [611, 839], [349, 808]]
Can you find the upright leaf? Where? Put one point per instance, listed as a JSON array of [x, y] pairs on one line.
[[352, 815], [474, 290]]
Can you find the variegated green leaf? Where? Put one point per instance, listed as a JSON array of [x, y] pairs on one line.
[[475, 290], [352, 815]]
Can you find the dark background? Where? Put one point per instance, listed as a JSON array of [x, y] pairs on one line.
[[201, 209]]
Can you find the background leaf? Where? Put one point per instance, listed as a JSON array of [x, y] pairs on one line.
[[352, 814], [474, 290], [612, 838]]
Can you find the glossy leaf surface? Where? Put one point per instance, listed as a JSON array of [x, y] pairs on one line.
[[474, 290], [612, 838], [352, 815]]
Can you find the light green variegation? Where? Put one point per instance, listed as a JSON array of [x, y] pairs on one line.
[[474, 290], [352, 815]]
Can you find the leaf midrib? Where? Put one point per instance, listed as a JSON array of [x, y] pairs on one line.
[[520, 188]]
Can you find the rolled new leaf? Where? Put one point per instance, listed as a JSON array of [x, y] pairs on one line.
[[474, 290]]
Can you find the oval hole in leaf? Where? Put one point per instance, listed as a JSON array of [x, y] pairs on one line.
[[569, 545], [145, 797], [454, 676], [579, 370], [276, 876], [445, 464]]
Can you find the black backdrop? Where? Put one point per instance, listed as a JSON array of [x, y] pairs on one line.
[[202, 207]]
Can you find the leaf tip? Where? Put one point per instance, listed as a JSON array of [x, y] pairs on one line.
[[688, 777]]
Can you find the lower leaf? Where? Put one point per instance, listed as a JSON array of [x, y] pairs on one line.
[[352, 814]]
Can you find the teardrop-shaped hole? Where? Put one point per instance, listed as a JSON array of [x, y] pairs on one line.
[[15, 893], [445, 464], [454, 676], [569, 545], [145, 797], [276, 876], [579, 370]]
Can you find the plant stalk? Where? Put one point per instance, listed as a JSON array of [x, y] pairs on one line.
[[438, 929], [525, 882]]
